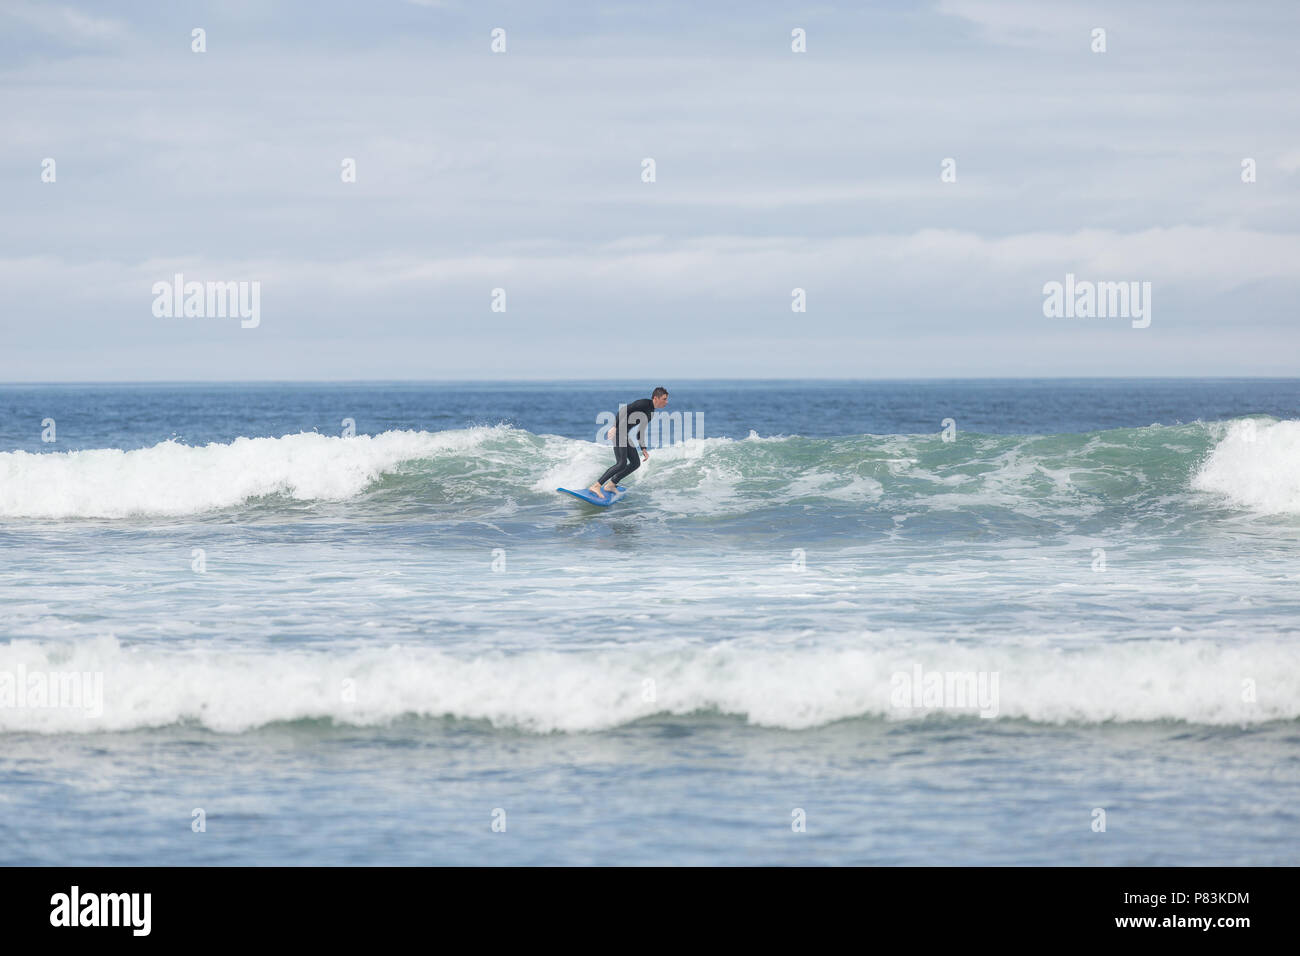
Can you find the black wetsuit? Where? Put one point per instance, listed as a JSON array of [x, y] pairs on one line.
[[633, 418]]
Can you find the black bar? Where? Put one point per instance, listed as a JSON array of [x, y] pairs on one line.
[[921, 905]]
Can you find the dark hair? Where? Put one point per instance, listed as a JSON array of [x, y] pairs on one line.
[[659, 391]]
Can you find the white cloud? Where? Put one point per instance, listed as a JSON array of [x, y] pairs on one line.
[[923, 263], [1019, 23], [64, 22]]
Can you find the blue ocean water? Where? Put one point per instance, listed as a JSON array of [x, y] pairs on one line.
[[964, 622]]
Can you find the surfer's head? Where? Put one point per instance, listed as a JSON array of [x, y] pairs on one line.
[[659, 397]]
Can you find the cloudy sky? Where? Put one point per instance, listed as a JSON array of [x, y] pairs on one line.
[[522, 170]]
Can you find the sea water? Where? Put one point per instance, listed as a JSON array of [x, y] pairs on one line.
[[967, 622]]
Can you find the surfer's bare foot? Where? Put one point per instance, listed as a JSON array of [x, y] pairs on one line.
[[611, 487], [594, 488]]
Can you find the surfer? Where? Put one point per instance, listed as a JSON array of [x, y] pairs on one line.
[[632, 421]]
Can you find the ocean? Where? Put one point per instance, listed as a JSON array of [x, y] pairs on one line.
[[928, 622]]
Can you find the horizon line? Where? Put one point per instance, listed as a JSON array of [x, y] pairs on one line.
[[615, 381]]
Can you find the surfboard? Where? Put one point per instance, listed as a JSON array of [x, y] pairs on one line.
[[591, 499]]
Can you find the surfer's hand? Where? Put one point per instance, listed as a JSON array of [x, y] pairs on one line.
[[610, 434], [645, 455]]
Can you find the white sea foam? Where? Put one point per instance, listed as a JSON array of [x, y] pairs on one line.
[[1256, 466], [175, 479], [544, 691]]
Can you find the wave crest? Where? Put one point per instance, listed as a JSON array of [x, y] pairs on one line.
[[1256, 466], [1025, 474], [171, 478]]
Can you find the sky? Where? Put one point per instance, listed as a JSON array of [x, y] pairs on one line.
[[523, 171]]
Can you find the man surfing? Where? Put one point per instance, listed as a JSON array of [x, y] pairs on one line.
[[633, 418]]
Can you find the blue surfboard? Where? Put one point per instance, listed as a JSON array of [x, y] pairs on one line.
[[591, 499]]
